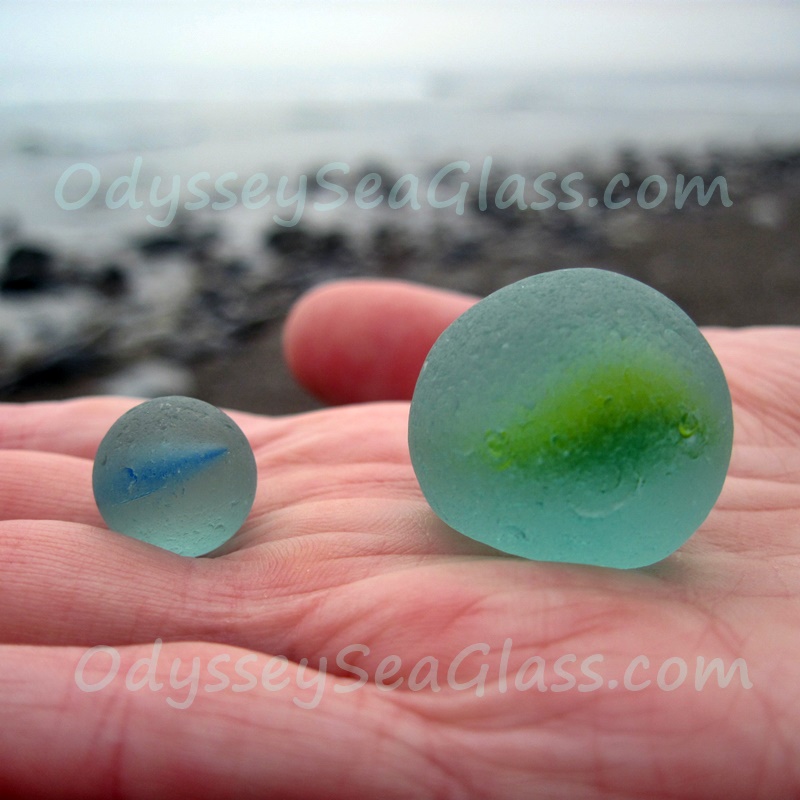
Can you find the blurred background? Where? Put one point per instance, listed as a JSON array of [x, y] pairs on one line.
[[161, 201]]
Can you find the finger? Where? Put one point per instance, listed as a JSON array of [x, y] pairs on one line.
[[76, 427], [71, 427], [64, 583], [70, 584], [220, 734], [40, 486], [362, 340]]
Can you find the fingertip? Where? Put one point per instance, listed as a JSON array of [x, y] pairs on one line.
[[365, 340]]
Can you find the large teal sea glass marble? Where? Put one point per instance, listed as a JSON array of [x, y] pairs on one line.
[[175, 472], [575, 416]]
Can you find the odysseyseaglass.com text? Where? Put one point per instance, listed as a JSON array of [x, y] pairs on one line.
[[457, 185]]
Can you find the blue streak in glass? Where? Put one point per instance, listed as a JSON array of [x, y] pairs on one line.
[[133, 483]]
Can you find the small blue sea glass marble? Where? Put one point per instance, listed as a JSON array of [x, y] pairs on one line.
[[575, 416], [175, 472]]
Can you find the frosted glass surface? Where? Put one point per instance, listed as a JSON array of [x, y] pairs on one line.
[[175, 472], [575, 416]]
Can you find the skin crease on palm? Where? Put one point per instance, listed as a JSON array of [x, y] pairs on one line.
[[341, 549]]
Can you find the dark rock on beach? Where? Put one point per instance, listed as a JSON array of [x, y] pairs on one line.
[[111, 281], [28, 269]]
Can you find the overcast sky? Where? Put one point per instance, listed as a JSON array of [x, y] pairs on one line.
[[557, 34]]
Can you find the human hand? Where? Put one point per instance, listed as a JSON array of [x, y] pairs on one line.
[[341, 550]]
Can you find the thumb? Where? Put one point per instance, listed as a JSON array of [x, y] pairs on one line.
[[361, 340]]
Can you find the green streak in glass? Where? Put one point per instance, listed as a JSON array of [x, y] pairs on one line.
[[620, 411]]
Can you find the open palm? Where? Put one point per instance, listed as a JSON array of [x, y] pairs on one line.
[[417, 662]]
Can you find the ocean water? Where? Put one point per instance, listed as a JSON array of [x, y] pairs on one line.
[[189, 88], [401, 114], [407, 123]]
